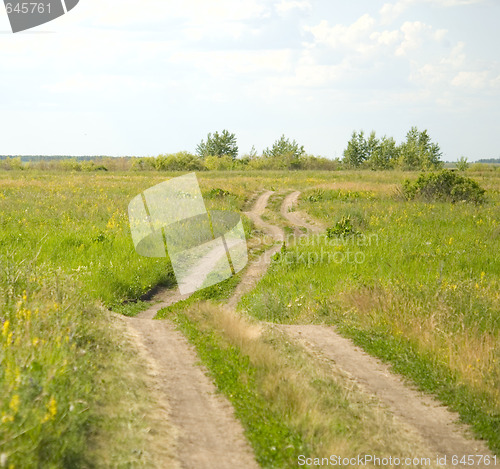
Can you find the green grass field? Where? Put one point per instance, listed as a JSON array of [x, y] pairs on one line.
[[419, 288]]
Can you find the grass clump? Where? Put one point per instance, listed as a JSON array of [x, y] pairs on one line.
[[445, 185]]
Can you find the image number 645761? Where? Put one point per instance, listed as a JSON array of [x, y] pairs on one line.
[[26, 15], [28, 7]]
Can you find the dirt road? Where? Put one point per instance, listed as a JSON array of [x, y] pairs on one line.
[[298, 219], [207, 433], [435, 424]]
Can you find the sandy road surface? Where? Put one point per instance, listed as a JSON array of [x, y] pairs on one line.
[[298, 219], [209, 436]]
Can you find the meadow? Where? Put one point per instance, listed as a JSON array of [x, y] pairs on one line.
[[414, 283], [423, 294], [66, 256]]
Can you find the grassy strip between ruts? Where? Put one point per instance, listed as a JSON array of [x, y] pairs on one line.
[[288, 403]]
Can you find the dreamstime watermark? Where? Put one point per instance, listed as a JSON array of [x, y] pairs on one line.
[[204, 247], [25, 15]]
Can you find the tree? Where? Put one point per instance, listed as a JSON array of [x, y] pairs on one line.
[[384, 155], [357, 150], [285, 153], [284, 147], [218, 145], [418, 152], [462, 164]]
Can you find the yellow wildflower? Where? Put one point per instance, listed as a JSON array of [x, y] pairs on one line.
[[7, 418], [14, 403], [5, 328], [52, 410]]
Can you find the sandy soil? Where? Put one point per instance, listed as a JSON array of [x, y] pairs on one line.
[[256, 270], [298, 219]]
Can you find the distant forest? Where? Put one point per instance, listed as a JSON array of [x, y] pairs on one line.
[[490, 161], [34, 158]]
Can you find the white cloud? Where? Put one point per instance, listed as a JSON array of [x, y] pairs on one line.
[[114, 84], [457, 56], [414, 34], [428, 75], [352, 37], [472, 80], [456, 70], [286, 5], [386, 38], [227, 64], [129, 12], [391, 11]]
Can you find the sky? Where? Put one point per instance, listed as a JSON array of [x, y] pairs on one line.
[[144, 77]]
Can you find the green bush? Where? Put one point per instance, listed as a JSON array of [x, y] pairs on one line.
[[219, 163], [342, 229], [11, 163], [215, 193], [180, 161], [445, 185]]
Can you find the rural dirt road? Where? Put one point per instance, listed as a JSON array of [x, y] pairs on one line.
[[207, 434]]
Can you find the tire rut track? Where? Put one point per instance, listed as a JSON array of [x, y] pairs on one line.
[[438, 427], [208, 434]]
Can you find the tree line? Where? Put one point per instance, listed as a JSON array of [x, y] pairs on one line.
[[219, 151], [417, 152]]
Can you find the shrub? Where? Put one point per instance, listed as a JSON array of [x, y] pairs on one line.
[[319, 163], [480, 167], [180, 161], [342, 229], [445, 185], [12, 163], [92, 166], [219, 163], [463, 164], [216, 192]]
